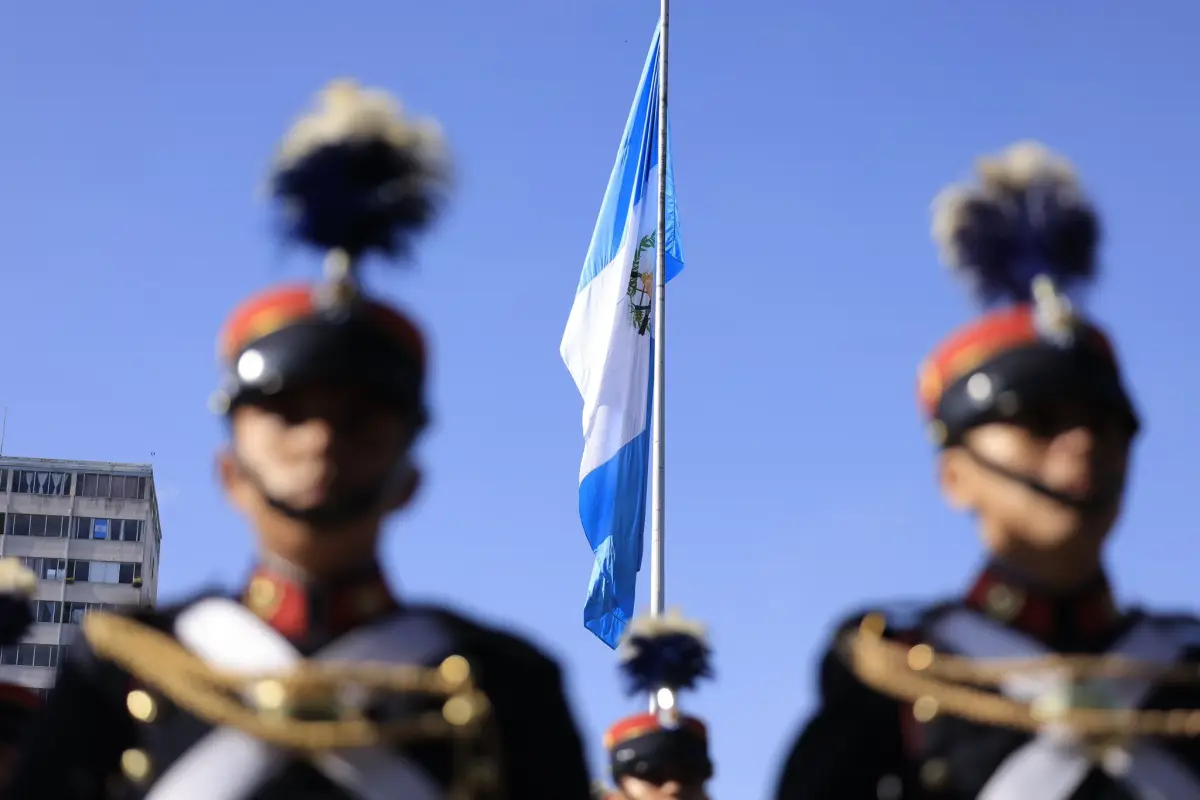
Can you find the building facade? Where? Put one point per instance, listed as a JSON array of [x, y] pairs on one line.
[[90, 531]]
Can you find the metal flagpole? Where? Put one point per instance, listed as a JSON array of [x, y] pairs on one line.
[[658, 418]]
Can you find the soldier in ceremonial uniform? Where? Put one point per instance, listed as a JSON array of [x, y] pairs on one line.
[[316, 681], [1034, 428], [18, 703], [661, 755]]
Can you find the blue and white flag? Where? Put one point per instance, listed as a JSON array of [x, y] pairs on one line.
[[608, 348]]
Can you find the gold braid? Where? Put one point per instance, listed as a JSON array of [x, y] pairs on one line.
[[259, 705], [937, 684]]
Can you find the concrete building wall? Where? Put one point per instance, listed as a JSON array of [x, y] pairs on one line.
[[91, 532]]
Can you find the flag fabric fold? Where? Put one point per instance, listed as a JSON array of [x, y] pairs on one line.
[[608, 349]]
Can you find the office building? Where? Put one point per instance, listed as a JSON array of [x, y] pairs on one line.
[[90, 531]]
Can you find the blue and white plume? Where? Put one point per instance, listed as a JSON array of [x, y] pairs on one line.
[[1026, 225], [666, 652], [356, 175]]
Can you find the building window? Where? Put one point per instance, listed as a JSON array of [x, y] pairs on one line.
[[48, 525], [44, 655], [51, 526], [48, 569], [117, 487], [82, 528], [49, 611], [3, 480], [18, 524], [117, 530], [33, 655], [73, 613], [25, 654], [127, 530], [130, 573], [28, 481], [87, 528], [104, 571]]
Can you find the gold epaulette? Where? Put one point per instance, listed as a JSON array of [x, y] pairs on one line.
[[936, 684], [316, 706]]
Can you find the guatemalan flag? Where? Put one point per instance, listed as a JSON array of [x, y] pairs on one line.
[[608, 348]]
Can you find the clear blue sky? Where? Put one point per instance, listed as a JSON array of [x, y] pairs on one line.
[[809, 139]]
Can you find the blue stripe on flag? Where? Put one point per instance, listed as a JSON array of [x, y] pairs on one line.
[[612, 508]]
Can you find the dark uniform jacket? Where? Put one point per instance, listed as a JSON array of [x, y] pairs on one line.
[[18, 703], [94, 741], [861, 745]]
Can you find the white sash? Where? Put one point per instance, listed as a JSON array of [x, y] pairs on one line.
[[1052, 766], [230, 765]]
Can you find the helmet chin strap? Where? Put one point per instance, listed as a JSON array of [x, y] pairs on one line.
[[333, 513], [1094, 501]]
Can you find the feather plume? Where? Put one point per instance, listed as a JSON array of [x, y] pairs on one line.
[[356, 175], [1026, 217], [664, 652]]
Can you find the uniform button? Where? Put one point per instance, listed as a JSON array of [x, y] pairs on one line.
[[1004, 603], [979, 388], [934, 773], [141, 706], [920, 657], [455, 671], [262, 596], [925, 709], [458, 711], [1116, 762], [136, 765], [1008, 404], [251, 366], [270, 695], [890, 787], [484, 775]]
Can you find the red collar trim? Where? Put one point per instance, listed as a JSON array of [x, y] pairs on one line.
[[299, 609], [1087, 614]]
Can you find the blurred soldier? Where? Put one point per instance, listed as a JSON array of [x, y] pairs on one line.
[[1034, 427], [18, 703], [324, 396], [661, 755]]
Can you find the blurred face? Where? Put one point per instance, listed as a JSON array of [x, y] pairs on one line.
[[638, 789], [1073, 452], [314, 449]]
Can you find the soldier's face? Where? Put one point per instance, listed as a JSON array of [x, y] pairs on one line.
[[311, 447], [1083, 458], [637, 789]]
